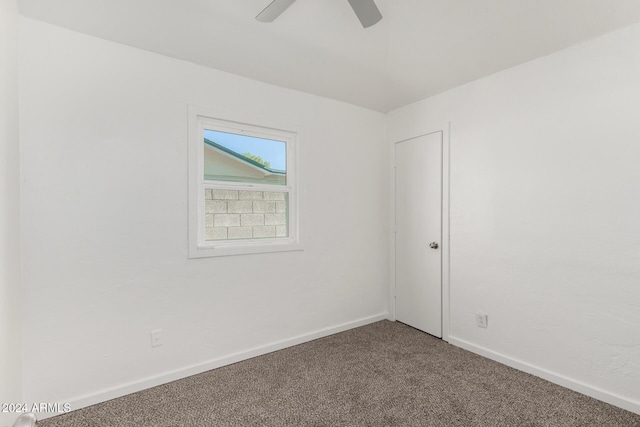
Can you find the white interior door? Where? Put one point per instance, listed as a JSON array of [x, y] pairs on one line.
[[418, 213]]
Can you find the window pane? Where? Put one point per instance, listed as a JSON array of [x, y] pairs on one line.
[[244, 214], [241, 158]]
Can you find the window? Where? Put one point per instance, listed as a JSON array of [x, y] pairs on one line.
[[242, 195]]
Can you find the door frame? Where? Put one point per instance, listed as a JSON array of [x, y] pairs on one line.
[[445, 132]]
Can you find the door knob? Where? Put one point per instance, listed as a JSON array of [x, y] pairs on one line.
[[433, 245]]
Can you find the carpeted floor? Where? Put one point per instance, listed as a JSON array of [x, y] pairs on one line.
[[383, 374]]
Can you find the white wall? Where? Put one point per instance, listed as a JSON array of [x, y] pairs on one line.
[[545, 213], [10, 379], [104, 213]]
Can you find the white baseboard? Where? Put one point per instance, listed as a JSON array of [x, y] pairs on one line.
[[156, 380], [580, 387]]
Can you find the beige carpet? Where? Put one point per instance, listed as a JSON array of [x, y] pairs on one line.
[[384, 374]]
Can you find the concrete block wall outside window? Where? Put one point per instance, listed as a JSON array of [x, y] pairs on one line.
[[245, 214]]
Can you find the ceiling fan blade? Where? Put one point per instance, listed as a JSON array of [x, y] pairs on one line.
[[366, 11], [273, 10]]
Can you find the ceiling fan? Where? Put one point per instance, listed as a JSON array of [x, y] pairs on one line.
[[366, 11]]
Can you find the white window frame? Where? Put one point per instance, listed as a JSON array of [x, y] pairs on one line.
[[201, 119]]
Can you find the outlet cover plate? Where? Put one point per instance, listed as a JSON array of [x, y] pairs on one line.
[[156, 338], [482, 320]]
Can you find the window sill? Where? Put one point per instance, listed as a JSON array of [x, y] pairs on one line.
[[213, 250]]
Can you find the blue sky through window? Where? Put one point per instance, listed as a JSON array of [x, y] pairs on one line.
[[274, 152]]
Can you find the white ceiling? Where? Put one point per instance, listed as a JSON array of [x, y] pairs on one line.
[[420, 48]]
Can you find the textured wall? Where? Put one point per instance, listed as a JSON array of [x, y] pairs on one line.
[[545, 204], [10, 365]]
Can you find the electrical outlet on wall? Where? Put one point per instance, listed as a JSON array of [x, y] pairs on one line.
[[482, 320], [156, 338]]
